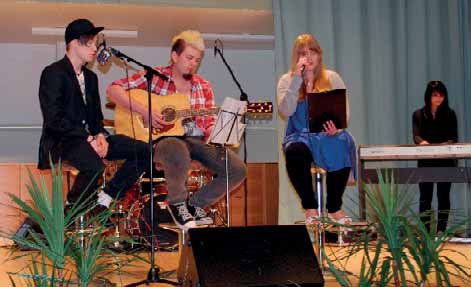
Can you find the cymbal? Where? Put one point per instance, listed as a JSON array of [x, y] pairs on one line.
[[110, 105]]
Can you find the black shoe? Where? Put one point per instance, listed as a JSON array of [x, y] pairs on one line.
[[182, 217], [201, 218]]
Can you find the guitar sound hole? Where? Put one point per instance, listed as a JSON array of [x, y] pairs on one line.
[[169, 114]]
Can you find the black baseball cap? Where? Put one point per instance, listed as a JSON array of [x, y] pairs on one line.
[[80, 27]]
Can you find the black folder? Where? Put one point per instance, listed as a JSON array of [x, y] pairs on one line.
[[327, 106]]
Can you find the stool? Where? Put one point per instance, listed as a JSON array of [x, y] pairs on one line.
[[319, 237], [69, 170], [187, 275]]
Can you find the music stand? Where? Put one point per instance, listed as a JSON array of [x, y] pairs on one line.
[[227, 132], [327, 106]]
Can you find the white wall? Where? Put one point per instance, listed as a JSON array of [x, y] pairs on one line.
[[21, 119]]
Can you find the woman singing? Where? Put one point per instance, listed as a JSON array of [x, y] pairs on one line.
[[332, 149]]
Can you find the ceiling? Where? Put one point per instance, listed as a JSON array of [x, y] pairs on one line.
[[155, 24]]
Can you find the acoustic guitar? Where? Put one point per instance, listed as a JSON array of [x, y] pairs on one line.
[[174, 109]]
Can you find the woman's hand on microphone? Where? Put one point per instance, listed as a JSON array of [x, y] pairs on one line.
[[300, 66]]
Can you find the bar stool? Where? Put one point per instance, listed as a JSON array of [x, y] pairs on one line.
[[80, 224], [69, 172], [187, 274], [318, 174]]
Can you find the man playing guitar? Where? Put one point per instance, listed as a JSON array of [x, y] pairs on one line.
[[174, 154]]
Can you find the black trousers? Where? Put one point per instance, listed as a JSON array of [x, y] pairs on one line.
[[443, 196], [81, 155], [298, 164], [443, 199]]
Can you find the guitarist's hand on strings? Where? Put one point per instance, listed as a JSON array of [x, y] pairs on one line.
[[158, 122]]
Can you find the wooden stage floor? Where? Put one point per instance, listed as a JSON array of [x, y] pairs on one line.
[[168, 261]]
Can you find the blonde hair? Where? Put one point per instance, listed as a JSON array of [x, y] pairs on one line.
[[321, 80], [190, 37]]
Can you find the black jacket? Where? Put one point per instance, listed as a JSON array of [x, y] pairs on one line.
[[65, 116], [442, 129]]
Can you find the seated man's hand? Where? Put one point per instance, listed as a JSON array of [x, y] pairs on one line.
[[99, 145], [102, 145]]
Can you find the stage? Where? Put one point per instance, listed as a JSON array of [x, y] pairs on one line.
[[168, 262]]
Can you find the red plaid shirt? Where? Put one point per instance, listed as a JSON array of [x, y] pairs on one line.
[[201, 96]]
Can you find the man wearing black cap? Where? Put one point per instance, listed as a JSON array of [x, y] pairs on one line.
[[73, 121]]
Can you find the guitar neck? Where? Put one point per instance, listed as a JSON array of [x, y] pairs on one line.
[[187, 113]]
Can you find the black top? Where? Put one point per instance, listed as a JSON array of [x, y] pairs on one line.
[[66, 117], [441, 129]]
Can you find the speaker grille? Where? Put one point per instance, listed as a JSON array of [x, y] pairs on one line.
[[279, 255]]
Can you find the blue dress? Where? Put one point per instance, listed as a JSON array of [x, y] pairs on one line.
[[329, 152]]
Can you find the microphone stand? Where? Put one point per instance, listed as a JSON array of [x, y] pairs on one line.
[[243, 97], [153, 274]]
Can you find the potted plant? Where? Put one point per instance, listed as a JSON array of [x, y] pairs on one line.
[[62, 258], [402, 251]]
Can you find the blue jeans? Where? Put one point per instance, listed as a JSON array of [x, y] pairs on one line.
[[175, 155]]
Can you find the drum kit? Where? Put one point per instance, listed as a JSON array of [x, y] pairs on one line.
[[131, 228]]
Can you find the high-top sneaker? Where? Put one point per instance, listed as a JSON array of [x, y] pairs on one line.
[[200, 215], [182, 217]]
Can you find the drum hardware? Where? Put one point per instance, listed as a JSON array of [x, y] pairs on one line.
[[196, 179], [342, 236], [131, 214], [155, 179], [119, 217], [117, 236], [81, 229]]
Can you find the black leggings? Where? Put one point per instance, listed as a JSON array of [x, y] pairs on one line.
[[298, 164], [443, 195]]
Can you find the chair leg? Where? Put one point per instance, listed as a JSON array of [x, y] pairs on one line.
[[320, 227], [67, 175]]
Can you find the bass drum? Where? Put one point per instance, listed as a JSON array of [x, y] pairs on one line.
[[139, 225], [132, 195]]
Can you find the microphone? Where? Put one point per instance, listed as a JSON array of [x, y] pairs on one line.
[[303, 67], [215, 47], [105, 54]]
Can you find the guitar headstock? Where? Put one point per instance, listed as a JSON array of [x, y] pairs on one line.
[[260, 110]]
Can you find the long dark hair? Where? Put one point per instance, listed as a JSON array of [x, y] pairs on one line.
[[439, 87]]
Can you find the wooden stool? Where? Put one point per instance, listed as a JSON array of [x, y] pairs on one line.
[[187, 274], [69, 171]]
